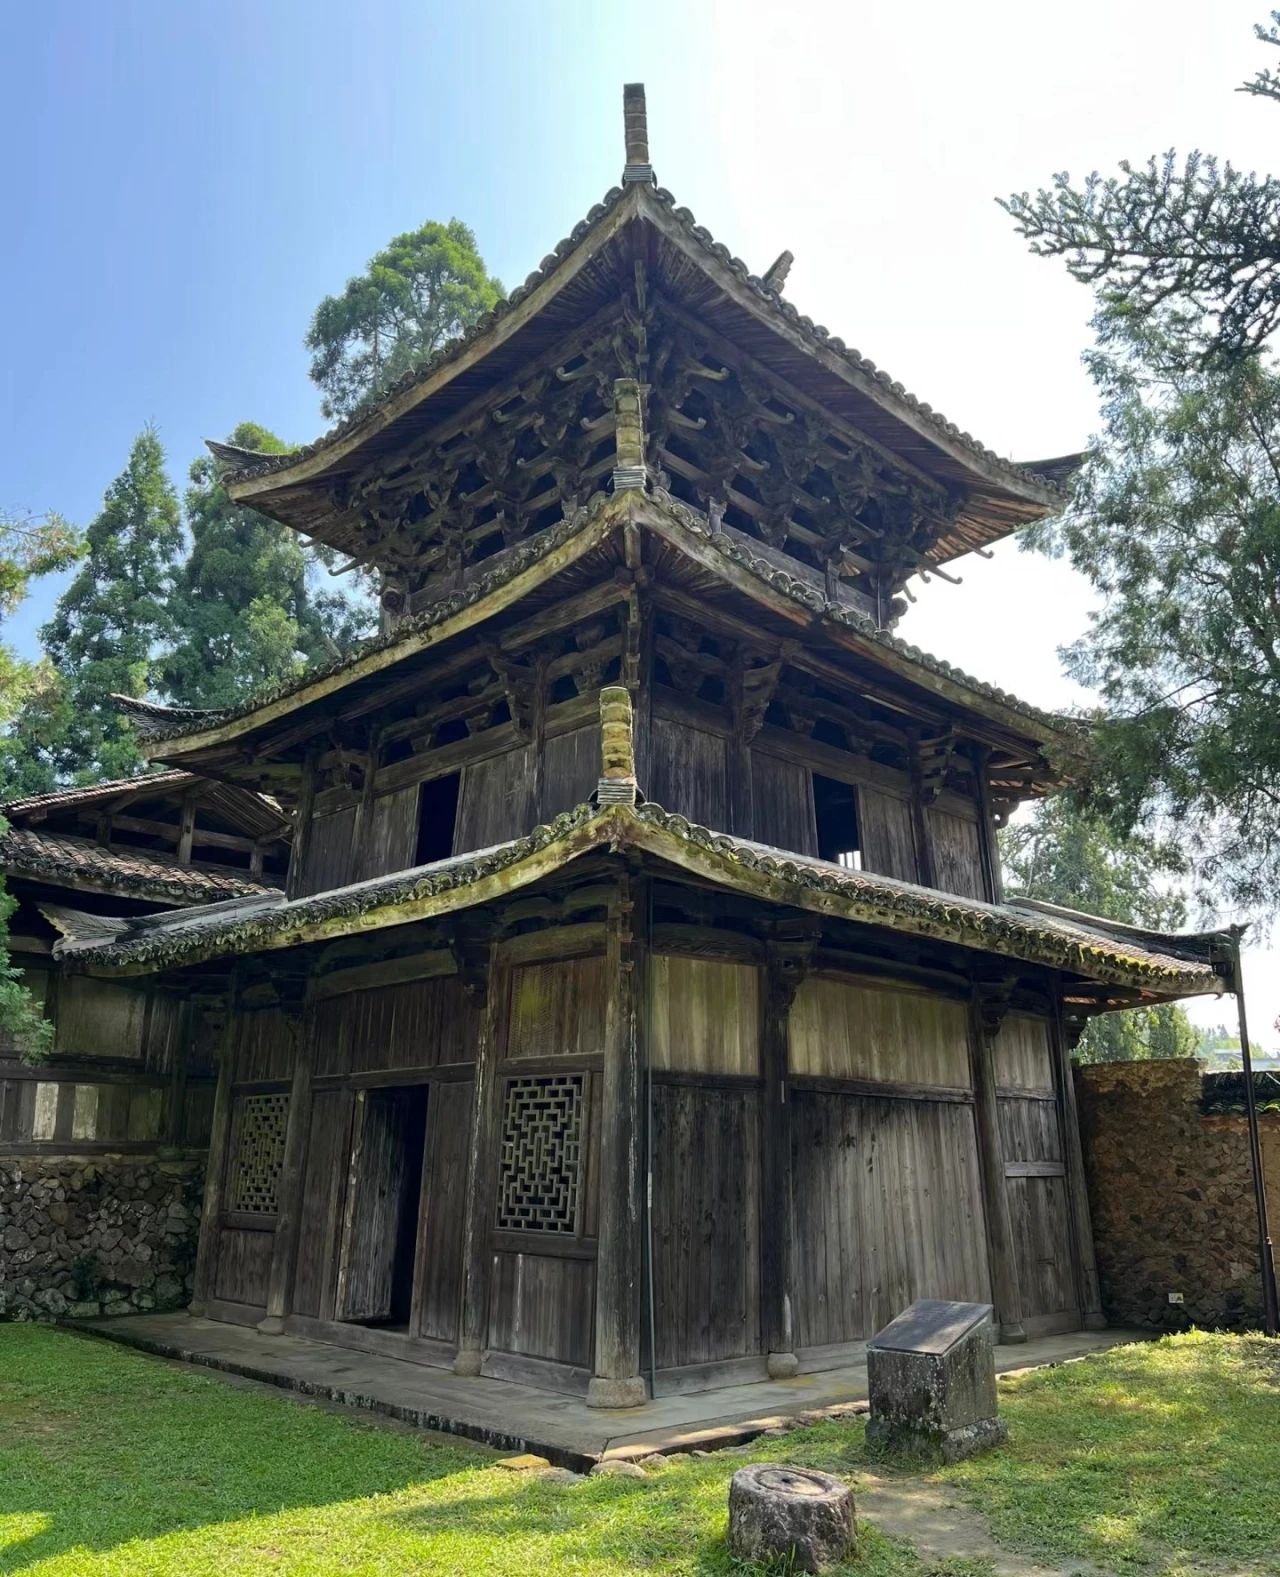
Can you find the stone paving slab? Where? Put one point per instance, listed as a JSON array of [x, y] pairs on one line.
[[516, 1417]]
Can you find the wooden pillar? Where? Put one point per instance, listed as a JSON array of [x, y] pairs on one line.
[[216, 1168], [987, 1011], [490, 981], [919, 812], [289, 1200], [1061, 1043], [617, 1381], [988, 842], [787, 957], [302, 824]]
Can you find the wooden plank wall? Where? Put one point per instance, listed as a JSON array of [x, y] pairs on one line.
[[570, 771], [1036, 1181], [704, 1039], [689, 772], [387, 835], [782, 804], [443, 1211], [888, 835], [957, 853], [416, 1026], [886, 1188], [495, 801]]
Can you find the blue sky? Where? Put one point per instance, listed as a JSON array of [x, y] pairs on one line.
[[183, 182]]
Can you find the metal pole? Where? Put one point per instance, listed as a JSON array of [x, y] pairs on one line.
[[1265, 1252]]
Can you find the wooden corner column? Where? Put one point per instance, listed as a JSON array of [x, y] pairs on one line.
[[617, 1381], [788, 954], [297, 1135], [477, 958], [216, 1165], [987, 1010], [1062, 1039]]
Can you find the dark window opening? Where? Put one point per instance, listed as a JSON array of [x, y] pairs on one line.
[[437, 818], [835, 808]]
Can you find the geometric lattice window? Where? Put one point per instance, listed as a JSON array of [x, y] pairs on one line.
[[541, 1154], [259, 1159]]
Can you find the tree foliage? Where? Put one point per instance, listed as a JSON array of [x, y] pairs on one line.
[[1192, 235], [104, 636], [30, 546], [1063, 854], [249, 605], [422, 290]]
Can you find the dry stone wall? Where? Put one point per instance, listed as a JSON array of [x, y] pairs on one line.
[[1171, 1194], [96, 1234]]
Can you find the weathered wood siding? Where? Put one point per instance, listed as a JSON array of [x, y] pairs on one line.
[[843, 1029], [325, 856], [689, 772], [1036, 1180], [438, 1276], [557, 1009], [888, 1208], [704, 1015], [888, 835], [782, 803], [543, 1306], [419, 1025], [496, 801], [706, 1200], [386, 837], [957, 853], [327, 1155], [570, 771], [244, 1263]]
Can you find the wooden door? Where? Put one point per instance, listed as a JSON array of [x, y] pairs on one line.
[[383, 1184]]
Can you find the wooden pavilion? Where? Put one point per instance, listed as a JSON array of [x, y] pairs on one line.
[[642, 1012]]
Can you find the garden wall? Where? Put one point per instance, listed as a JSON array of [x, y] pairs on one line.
[[96, 1233], [1171, 1193]]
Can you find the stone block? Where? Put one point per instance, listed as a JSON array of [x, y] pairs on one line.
[[932, 1380], [790, 1514]]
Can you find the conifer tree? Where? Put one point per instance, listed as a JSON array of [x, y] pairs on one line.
[[106, 630], [250, 605]]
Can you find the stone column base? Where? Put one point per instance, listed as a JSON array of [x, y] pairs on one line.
[[1011, 1335], [631, 1392], [468, 1362], [783, 1366], [271, 1325]]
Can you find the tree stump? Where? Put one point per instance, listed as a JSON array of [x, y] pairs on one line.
[[790, 1511]]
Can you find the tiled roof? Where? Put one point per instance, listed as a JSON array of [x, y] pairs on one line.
[[819, 337], [57, 858], [91, 793], [1168, 965], [156, 723]]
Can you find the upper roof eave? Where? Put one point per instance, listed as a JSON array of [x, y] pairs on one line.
[[340, 450]]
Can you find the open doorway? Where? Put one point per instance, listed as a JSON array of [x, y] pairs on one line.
[[380, 1231]]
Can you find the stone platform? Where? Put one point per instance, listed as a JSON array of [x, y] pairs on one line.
[[515, 1417]]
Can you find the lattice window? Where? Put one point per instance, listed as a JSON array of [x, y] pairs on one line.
[[541, 1154], [259, 1160]]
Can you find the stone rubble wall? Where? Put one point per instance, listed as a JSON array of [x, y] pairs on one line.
[[96, 1234], [1171, 1195]]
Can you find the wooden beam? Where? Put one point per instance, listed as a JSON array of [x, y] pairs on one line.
[[617, 1381]]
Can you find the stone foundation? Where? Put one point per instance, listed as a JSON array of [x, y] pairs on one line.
[[96, 1234], [1171, 1194]]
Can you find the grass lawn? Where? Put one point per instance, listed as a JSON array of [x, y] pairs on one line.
[[1158, 1459]]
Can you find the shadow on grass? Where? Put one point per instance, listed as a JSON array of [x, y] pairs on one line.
[[100, 1446]]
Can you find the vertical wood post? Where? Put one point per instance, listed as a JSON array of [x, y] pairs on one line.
[[302, 825], [297, 1134], [987, 1011], [216, 1166], [481, 1166], [617, 1381], [787, 957], [1086, 1264], [987, 839], [919, 813]]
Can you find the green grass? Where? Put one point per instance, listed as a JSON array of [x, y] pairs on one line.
[[114, 1463], [1161, 1459], [1158, 1458]]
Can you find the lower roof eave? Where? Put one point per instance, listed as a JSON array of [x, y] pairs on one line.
[[774, 876]]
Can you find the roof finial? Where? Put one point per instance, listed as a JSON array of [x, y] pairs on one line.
[[635, 122], [775, 276], [617, 748]]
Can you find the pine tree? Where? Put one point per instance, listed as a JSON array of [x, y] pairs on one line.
[[249, 606], [107, 629]]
